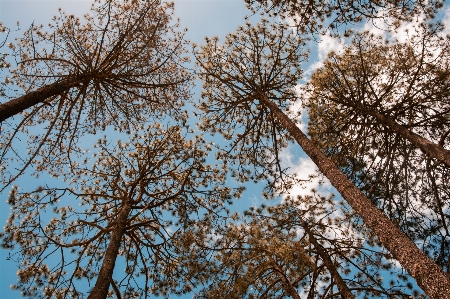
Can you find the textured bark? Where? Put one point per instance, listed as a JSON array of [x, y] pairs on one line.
[[429, 276], [432, 149], [30, 99], [100, 290], [342, 286]]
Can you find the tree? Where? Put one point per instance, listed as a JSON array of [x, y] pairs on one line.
[[134, 200], [249, 85], [120, 66], [259, 137], [253, 262], [353, 102], [315, 16], [3, 61], [348, 256], [284, 251]]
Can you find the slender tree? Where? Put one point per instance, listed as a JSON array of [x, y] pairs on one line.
[[371, 109], [349, 254], [121, 66], [133, 200], [249, 85], [258, 136]]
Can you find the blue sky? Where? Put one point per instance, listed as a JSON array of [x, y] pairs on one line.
[[202, 18]]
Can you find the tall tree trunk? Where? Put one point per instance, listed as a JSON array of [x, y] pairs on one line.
[[100, 290], [429, 276], [342, 286], [30, 99], [432, 149]]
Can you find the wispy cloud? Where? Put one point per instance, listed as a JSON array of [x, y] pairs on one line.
[[307, 171], [326, 45]]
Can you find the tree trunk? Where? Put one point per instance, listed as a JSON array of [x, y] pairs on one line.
[[432, 149], [429, 276], [100, 290], [342, 286], [30, 99]]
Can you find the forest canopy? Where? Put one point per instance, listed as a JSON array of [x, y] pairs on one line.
[[125, 148]]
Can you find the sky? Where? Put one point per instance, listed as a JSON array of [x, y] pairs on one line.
[[202, 18]]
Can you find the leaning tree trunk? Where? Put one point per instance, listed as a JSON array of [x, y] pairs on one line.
[[342, 286], [104, 278], [432, 149], [30, 99], [429, 276]]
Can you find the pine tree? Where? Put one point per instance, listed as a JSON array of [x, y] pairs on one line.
[[349, 101], [134, 200], [249, 85], [303, 247], [121, 66], [315, 16]]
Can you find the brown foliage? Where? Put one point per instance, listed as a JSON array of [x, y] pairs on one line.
[[134, 200], [406, 83], [120, 66]]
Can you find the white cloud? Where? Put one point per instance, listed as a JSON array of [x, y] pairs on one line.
[[406, 30], [375, 27], [306, 170], [402, 34], [326, 45], [297, 107]]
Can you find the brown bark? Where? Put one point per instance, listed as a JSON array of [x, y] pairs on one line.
[[429, 276], [342, 286], [30, 99], [432, 149], [100, 290]]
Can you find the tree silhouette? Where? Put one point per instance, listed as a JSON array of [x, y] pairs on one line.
[[120, 66], [133, 200], [249, 85]]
